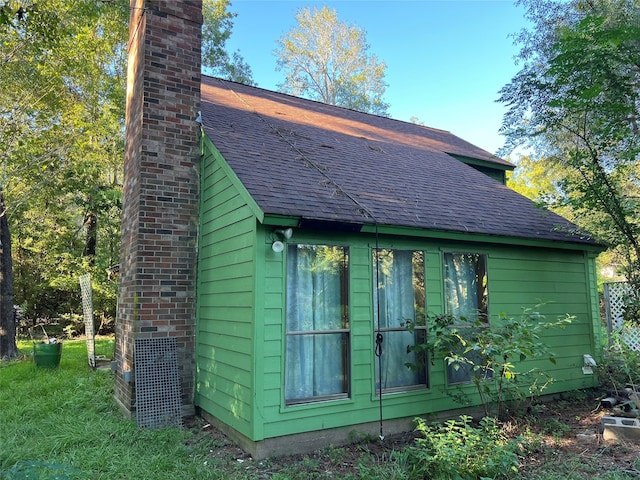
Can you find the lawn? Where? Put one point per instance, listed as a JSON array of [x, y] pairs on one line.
[[63, 424]]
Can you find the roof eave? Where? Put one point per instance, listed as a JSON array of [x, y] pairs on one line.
[[484, 238], [405, 231]]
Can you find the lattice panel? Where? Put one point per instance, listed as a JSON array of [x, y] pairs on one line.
[[631, 336], [158, 395], [87, 310], [614, 294]]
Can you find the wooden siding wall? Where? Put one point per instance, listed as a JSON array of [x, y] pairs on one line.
[[226, 293], [241, 315], [518, 277]]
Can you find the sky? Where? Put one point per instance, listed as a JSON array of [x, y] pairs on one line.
[[446, 59]]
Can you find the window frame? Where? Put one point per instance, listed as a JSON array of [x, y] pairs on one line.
[[419, 327], [344, 332], [482, 318]]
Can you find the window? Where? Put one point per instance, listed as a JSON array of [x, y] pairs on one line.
[[466, 298], [465, 286], [399, 297], [317, 330]]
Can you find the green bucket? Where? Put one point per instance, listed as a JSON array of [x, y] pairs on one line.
[[47, 355]]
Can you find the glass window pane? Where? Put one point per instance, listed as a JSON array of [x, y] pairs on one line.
[[466, 296], [316, 288], [465, 285], [317, 362], [395, 358], [399, 298], [316, 366]]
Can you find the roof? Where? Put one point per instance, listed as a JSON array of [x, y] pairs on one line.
[[318, 162]]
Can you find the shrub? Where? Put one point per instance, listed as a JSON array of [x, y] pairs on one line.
[[495, 354], [456, 450], [620, 365]]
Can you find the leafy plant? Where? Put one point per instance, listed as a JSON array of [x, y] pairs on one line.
[[555, 427], [456, 450], [620, 365], [631, 312], [494, 354]]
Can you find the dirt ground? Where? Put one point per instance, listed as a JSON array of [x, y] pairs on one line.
[[565, 431]]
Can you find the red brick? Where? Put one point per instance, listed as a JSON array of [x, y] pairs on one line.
[[160, 154]]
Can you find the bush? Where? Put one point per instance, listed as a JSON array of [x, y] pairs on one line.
[[494, 354], [620, 365], [456, 450]]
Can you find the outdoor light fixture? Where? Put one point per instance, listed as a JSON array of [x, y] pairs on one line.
[[286, 233]]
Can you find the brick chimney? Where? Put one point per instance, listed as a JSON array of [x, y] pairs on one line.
[[160, 206]]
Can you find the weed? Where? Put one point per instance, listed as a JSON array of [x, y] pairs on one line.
[[554, 427], [335, 455], [456, 450], [394, 466], [361, 437], [620, 365]]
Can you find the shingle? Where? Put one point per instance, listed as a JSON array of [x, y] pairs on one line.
[[303, 158]]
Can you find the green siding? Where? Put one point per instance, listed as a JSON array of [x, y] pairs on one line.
[[226, 297], [497, 171], [518, 277], [241, 313]]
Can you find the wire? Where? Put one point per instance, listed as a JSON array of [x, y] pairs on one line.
[[363, 210], [379, 336], [143, 11], [360, 208]]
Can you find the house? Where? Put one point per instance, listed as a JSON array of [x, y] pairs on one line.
[[297, 197], [282, 239]]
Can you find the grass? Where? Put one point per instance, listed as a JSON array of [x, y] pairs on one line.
[[63, 424]]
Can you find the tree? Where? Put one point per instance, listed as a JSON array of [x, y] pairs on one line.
[[542, 180], [576, 101], [8, 347], [327, 60], [62, 65], [62, 92], [216, 30]]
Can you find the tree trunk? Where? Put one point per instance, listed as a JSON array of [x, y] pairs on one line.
[[91, 222], [8, 347]]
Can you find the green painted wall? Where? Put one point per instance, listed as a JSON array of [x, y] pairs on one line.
[[496, 171], [241, 314], [226, 297], [518, 277]]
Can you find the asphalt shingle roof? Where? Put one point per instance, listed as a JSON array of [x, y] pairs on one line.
[[302, 158]]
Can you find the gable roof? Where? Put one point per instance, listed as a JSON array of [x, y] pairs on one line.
[[305, 159]]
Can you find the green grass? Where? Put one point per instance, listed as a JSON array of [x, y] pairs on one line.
[[63, 423]]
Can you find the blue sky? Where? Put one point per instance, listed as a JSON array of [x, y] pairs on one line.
[[446, 59]]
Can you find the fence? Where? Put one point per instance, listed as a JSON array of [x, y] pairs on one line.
[[614, 295]]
